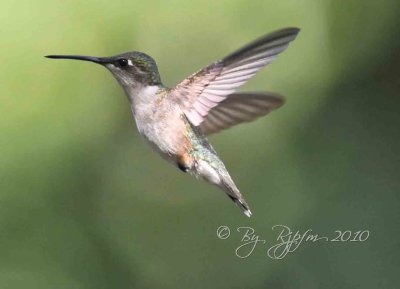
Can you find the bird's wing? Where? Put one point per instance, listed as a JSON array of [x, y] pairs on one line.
[[205, 89], [238, 108]]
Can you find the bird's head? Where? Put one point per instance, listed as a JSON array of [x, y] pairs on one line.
[[131, 69]]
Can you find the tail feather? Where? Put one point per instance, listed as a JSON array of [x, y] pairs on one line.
[[242, 205], [233, 192], [221, 178]]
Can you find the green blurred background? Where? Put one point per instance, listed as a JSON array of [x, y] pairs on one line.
[[85, 203]]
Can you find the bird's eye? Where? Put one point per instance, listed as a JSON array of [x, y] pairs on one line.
[[123, 62]]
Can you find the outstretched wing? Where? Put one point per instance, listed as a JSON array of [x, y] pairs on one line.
[[238, 108], [202, 91]]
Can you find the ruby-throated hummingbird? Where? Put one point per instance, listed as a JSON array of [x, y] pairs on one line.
[[176, 121]]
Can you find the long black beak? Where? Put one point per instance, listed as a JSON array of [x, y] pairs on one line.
[[99, 60]]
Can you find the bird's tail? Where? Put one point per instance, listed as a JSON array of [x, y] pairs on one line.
[[233, 193], [220, 177], [241, 203]]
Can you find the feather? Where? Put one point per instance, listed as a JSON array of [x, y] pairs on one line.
[[206, 89], [238, 108]]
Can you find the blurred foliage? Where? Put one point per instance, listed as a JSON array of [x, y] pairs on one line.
[[79, 204]]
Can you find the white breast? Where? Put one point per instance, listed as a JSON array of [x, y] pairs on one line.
[[159, 122]]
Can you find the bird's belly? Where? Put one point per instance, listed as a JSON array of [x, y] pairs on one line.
[[165, 134]]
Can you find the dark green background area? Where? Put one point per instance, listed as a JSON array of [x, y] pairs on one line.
[[85, 203]]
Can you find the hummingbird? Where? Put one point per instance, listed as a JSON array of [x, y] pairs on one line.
[[176, 121]]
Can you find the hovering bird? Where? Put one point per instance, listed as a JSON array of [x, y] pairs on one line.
[[175, 121]]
